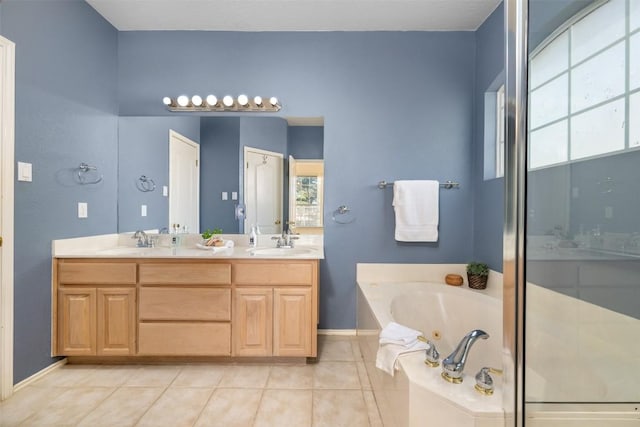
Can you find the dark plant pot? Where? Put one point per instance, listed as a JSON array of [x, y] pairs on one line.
[[477, 281]]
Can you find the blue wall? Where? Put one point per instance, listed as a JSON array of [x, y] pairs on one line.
[[219, 160], [348, 78], [367, 86], [66, 113], [488, 196], [306, 142], [143, 149]]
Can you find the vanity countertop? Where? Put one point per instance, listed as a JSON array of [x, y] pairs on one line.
[[121, 246]]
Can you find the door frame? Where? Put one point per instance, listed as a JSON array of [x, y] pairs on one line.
[[244, 180], [7, 153], [175, 136]]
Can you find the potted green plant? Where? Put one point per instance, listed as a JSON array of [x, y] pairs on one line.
[[212, 237], [207, 234], [477, 274]]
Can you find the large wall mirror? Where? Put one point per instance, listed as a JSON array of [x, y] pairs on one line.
[[240, 181]]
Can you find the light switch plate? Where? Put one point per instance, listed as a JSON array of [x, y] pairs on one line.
[[165, 191], [83, 210], [143, 210], [25, 172], [225, 195], [234, 195]]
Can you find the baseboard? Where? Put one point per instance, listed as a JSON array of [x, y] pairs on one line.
[[345, 332], [35, 377]]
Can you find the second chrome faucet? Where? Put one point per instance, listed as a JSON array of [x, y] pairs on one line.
[[453, 365]]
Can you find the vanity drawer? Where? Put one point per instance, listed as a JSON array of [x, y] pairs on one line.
[[96, 273], [274, 273], [185, 303], [185, 274], [184, 339]]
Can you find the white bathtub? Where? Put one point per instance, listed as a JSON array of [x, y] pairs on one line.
[[417, 395]]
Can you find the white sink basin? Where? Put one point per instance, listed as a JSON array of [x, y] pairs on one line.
[[281, 252]]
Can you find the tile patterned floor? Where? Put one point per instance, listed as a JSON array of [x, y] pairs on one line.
[[334, 392]]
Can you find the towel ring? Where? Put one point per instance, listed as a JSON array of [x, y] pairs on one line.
[[342, 210], [84, 170], [145, 184]]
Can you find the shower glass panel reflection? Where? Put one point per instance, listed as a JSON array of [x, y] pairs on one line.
[[582, 340]]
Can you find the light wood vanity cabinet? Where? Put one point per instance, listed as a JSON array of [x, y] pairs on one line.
[[253, 322], [185, 307], [274, 309], [95, 308]]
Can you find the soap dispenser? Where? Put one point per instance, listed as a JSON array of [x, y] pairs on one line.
[[253, 237]]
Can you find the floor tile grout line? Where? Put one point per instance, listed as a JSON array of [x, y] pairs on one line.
[[151, 406], [255, 415], [195, 422], [375, 401], [157, 398]]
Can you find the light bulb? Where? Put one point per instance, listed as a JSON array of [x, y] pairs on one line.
[[258, 101], [243, 100], [227, 101], [167, 101], [183, 100], [196, 100], [273, 101], [212, 100]]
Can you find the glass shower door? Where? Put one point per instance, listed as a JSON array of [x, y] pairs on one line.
[[582, 215]]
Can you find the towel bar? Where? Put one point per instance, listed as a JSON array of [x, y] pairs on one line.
[[446, 185]]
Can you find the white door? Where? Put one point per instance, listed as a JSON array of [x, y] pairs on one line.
[[184, 183], [7, 82], [263, 190]]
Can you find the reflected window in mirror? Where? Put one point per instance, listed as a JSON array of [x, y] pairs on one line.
[[306, 206], [308, 213]]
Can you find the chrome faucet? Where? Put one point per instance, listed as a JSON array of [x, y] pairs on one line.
[[453, 365], [285, 241], [143, 239]]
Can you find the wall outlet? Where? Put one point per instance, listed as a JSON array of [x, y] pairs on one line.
[[608, 212], [225, 195], [143, 210], [83, 210]]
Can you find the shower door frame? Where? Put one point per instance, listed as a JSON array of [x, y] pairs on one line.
[[515, 173]]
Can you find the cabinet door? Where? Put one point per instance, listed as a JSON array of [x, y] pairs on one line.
[[116, 321], [77, 322], [253, 322], [292, 324]]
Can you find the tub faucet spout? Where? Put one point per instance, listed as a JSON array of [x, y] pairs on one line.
[[453, 365]]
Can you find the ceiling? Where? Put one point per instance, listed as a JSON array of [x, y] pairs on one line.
[[296, 15]]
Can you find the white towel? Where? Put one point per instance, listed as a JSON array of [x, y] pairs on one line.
[[416, 208], [396, 339], [228, 247], [387, 357], [395, 333]]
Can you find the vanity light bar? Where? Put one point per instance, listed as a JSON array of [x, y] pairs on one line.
[[227, 103]]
